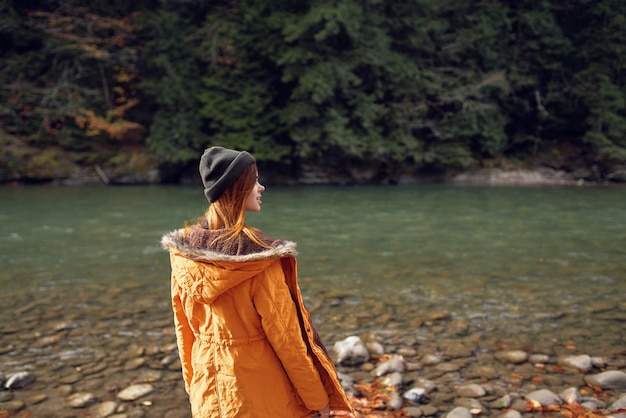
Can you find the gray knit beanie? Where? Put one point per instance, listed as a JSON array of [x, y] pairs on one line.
[[220, 167]]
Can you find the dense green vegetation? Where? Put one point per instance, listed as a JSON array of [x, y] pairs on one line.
[[389, 85]]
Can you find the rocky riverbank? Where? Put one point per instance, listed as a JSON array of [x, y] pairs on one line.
[[111, 352]]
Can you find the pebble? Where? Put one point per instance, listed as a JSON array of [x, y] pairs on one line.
[[511, 413], [37, 398], [570, 395], [474, 406], [413, 411], [395, 401], [611, 379], [393, 380], [415, 395], [136, 391], [459, 412], [389, 366], [512, 356], [81, 399], [545, 397], [581, 362], [434, 365], [351, 351], [471, 390], [103, 409], [618, 404], [502, 402], [5, 396], [430, 359], [19, 380], [12, 406]]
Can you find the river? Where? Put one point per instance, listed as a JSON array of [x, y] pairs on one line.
[[532, 266]]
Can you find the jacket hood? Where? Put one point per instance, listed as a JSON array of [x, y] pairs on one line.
[[207, 273]]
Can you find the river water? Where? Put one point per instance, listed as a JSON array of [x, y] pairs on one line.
[[540, 268], [486, 250]]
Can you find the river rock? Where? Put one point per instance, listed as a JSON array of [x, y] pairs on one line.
[[447, 367], [545, 397], [347, 382], [599, 362], [512, 356], [395, 401], [611, 379], [12, 406], [618, 404], [393, 380], [375, 348], [570, 395], [502, 402], [511, 413], [471, 390], [103, 409], [581, 362], [37, 398], [351, 351], [454, 350], [415, 395], [473, 405], [81, 399], [5, 396], [389, 366], [135, 363], [459, 412], [429, 410], [135, 391], [539, 358], [19, 380], [413, 411], [430, 359]]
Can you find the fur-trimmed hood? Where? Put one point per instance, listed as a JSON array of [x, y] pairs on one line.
[[210, 272]]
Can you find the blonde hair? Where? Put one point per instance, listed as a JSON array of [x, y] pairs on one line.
[[229, 210]]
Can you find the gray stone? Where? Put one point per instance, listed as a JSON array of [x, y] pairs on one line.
[[413, 411], [611, 379], [135, 391], [81, 399], [512, 356], [581, 362], [389, 366], [19, 380], [618, 404], [570, 395], [351, 351], [459, 412], [395, 401], [473, 405], [104, 409], [471, 390], [415, 395], [545, 397], [12, 406], [502, 402], [510, 414]]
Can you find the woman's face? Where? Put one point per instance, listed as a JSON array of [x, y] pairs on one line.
[[253, 201]]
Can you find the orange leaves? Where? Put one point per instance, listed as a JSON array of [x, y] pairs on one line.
[[372, 401], [117, 129]]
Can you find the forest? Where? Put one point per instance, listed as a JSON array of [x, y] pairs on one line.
[[366, 91]]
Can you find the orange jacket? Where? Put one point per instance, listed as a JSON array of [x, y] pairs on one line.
[[247, 350]]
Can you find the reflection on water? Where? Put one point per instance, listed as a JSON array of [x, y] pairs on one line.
[[413, 243]]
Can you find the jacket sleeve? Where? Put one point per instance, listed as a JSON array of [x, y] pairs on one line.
[[184, 334], [279, 319]]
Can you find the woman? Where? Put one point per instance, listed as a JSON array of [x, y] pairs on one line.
[[245, 339]]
